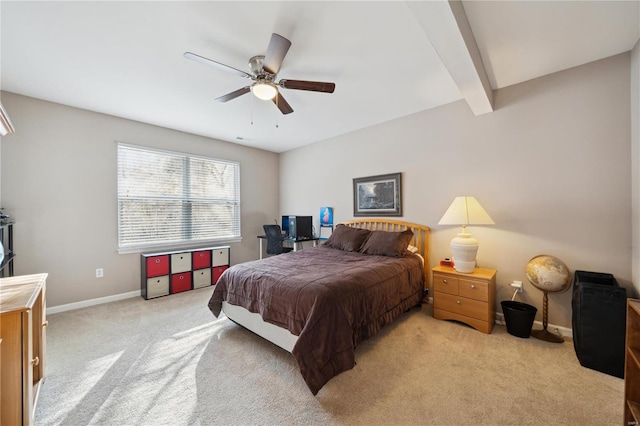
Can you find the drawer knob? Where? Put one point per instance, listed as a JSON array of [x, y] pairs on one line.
[[473, 286], [157, 260], [444, 281], [458, 302], [35, 361]]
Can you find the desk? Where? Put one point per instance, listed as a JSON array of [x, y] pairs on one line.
[[293, 241]]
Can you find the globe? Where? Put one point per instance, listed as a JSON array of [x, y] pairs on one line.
[[548, 273]]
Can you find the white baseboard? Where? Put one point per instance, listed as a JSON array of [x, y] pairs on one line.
[[92, 302], [563, 331]]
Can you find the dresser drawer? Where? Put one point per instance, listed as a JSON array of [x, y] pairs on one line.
[[201, 259], [461, 305], [157, 265], [478, 290], [202, 278], [180, 262], [445, 284], [220, 257], [157, 286]]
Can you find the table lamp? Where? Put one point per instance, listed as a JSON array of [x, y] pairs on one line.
[[465, 211]]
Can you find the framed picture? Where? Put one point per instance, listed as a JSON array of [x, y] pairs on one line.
[[378, 195]]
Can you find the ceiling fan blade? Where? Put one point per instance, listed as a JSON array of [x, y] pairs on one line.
[[277, 50], [315, 86], [282, 105], [206, 61], [234, 94]]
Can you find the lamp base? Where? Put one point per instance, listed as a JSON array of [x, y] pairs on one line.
[[463, 267], [464, 249]]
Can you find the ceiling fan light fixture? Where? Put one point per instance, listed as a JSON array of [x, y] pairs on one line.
[[264, 90]]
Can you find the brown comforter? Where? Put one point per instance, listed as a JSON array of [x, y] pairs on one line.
[[329, 298]]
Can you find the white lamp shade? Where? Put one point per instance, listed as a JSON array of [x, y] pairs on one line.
[[466, 211]]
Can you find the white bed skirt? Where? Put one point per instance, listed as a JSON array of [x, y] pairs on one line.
[[254, 322]]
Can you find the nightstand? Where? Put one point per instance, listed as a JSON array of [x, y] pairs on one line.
[[468, 298]]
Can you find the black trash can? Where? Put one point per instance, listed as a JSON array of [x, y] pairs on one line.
[[519, 317]]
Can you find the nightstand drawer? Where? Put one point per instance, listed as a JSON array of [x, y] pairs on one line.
[[445, 284], [477, 290], [462, 306]]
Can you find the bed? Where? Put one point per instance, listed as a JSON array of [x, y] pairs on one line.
[[320, 302]]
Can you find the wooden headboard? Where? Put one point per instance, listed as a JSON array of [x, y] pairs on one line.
[[420, 235]]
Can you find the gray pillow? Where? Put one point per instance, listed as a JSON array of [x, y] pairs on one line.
[[385, 243], [346, 238]]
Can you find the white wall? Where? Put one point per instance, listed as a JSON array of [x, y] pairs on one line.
[[551, 165], [635, 165], [59, 184]]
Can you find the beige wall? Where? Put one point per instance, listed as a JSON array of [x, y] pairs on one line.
[[59, 184], [551, 165], [635, 165]]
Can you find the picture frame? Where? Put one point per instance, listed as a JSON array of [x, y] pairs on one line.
[[379, 195]]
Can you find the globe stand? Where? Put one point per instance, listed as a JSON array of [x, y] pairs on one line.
[[544, 334]]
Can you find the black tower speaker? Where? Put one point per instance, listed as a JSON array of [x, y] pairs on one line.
[[599, 322]]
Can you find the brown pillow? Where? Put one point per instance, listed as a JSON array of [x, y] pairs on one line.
[[346, 238], [384, 243]]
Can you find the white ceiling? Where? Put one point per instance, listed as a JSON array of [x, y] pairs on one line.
[[387, 59]]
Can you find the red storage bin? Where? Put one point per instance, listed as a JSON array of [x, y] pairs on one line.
[[217, 271], [201, 259], [180, 282], [157, 266]]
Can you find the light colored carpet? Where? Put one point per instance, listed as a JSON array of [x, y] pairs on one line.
[[168, 361]]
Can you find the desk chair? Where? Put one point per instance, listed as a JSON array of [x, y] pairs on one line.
[[274, 240]]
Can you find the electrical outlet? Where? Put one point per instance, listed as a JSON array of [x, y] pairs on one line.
[[99, 273], [517, 285]]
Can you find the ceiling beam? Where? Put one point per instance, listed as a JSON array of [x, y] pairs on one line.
[[447, 28]]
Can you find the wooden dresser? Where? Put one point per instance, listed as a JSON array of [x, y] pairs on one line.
[[22, 331], [468, 298]]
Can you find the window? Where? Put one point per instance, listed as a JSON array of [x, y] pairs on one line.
[[169, 198]]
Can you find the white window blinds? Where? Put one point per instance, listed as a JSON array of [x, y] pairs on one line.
[[169, 198]]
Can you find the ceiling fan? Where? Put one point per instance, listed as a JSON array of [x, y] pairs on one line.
[[264, 69]]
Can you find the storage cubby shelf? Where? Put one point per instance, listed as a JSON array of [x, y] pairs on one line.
[[169, 272]]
